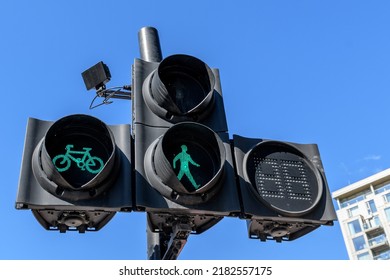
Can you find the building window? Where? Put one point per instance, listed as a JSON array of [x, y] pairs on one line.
[[353, 211], [372, 222], [371, 207], [375, 221], [386, 198], [382, 189], [364, 256], [359, 243], [354, 227], [387, 212], [345, 202]]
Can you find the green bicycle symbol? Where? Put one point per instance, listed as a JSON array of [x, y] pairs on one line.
[[86, 162]]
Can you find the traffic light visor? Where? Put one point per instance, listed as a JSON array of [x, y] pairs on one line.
[[182, 86]]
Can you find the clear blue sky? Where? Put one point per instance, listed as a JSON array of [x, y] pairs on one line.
[[300, 71]]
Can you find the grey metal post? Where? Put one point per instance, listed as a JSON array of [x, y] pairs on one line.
[[149, 44], [150, 50]]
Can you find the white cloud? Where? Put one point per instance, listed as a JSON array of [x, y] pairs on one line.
[[373, 157]]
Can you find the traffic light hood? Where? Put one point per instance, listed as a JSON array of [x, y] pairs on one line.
[[181, 88]]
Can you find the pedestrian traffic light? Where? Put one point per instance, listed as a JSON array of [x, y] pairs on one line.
[[76, 172], [283, 188], [183, 161]]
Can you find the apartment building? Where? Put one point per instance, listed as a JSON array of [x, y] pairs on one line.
[[364, 217]]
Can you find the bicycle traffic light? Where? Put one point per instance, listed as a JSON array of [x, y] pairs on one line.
[[76, 172], [283, 188], [183, 162]]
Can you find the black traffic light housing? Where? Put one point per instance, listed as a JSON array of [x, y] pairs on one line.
[[283, 188], [179, 88], [76, 172], [186, 174], [178, 110]]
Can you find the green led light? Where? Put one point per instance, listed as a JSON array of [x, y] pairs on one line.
[[185, 159], [86, 162]]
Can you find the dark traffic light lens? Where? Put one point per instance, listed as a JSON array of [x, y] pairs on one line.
[[283, 178], [182, 86], [187, 81]]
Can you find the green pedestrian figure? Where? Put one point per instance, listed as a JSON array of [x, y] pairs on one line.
[[185, 159]]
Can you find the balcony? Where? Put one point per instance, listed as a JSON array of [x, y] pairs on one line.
[[373, 230], [378, 243], [383, 256]]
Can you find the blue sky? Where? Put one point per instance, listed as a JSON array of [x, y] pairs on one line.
[[299, 71]]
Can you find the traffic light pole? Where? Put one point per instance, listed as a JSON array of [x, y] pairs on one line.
[[149, 44], [150, 50], [160, 246]]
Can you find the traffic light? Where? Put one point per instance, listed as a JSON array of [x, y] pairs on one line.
[[283, 188], [76, 172], [183, 160]]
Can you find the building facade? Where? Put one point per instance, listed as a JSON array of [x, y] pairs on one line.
[[364, 217]]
